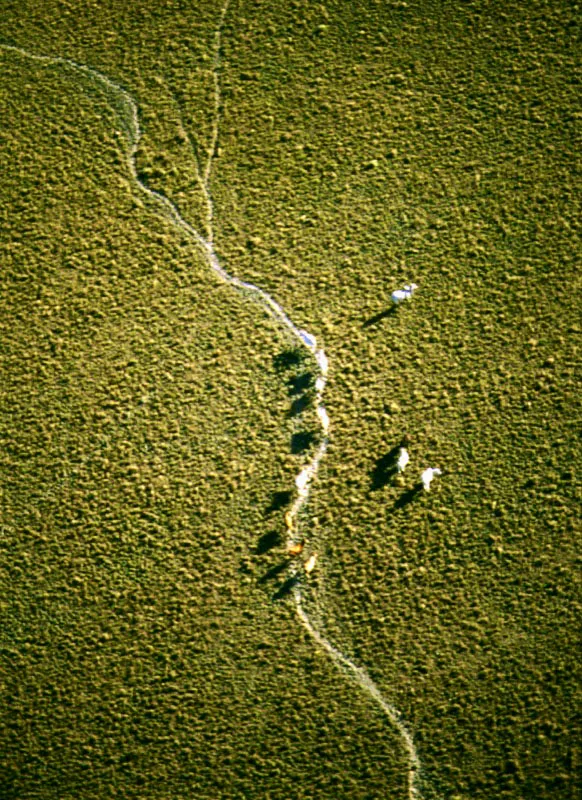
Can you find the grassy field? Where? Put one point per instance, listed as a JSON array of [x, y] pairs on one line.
[[146, 416]]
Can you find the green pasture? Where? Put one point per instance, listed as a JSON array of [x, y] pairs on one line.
[[148, 433]]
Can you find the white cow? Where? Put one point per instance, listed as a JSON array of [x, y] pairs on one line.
[[427, 477], [403, 294], [403, 459], [308, 339]]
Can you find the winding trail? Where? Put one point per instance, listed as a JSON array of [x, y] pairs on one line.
[[127, 109]]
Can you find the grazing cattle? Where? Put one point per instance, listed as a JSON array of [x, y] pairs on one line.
[[310, 564], [427, 477], [403, 294], [402, 460]]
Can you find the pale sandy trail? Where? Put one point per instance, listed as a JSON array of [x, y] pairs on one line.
[[127, 109]]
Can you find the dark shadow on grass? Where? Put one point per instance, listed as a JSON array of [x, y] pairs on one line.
[[301, 441], [274, 571], [385, 469], [278, 501], [299, 405], [300, 383], [287, 359], [408, 496], [286, 587], [388, 312], [267, 542]]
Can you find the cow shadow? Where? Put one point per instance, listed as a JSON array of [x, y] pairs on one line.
[[274, 572], [285, 587], [278, 501], [408, 496], [300, 383], [267, 542], [388, 312], [385, 469], [301, 441], [300, 404], [287, 359]]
